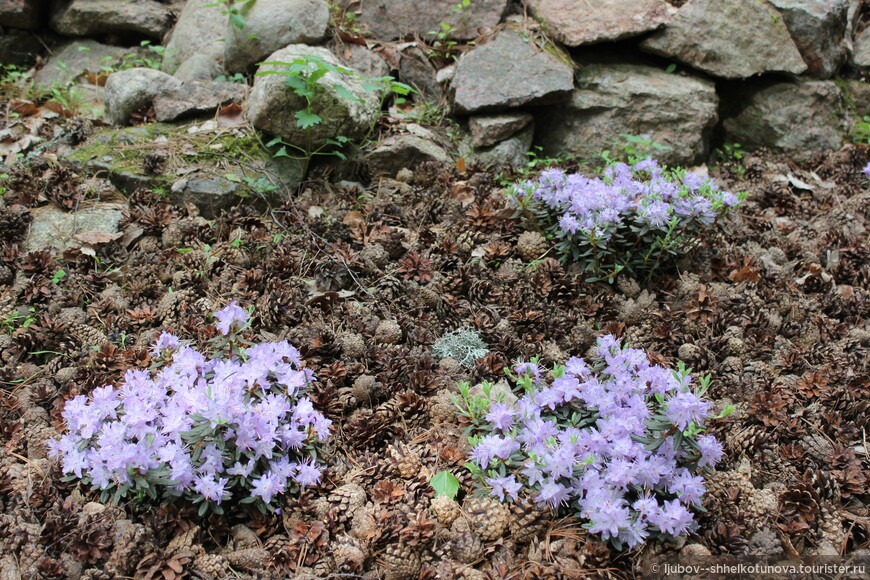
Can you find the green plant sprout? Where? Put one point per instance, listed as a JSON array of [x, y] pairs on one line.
[[304, 75]]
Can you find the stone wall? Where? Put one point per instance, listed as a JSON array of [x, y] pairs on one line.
[[580, 74]]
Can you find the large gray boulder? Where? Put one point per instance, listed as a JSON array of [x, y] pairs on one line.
[[613, 100], [733, 39], [272, 104], [129, 90], [819, 29], [199, 31], [574, 23], [509, 72], [271, 25], [801, 117], [148, 18], [405, 151], [392, 19], [25, 14]]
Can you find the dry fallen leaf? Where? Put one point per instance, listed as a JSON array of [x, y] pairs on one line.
[[230, 116], [352, 218], [96, 238]]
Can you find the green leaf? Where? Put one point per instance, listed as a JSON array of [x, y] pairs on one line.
[[445, 483], [237, 19], [346, 94], [306, 119]]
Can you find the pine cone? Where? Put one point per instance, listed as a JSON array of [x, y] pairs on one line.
[[528, 519], [466, 547], [531, 246], [249, 559], [404, 460], [164, 565], [448, 570], [487, 516], [213, 565], [88, 336], [445, 509], [128, 547], [349, 555], [345, 500], [400, 562]]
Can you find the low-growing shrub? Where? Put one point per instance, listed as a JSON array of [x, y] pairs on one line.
[[634, 218], [232, 425], [619, 443]]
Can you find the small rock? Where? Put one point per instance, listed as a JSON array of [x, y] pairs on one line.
[[210, 194], [509, 72], [512, 151], [196, 98], [129, 90], [367, 62], [488, 130], [416, 70], [388, 332], [400, 151], [54, 229]]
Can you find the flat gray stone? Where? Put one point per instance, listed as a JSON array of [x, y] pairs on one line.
[[734, 39], [53, 229], [77, 58], [487, 130], [272, 105], [801, 117], [210, 194], [196, 98], [512, 151], [819, 28], [200, 30], [404, 151], [129, 90], [392, 19], [271, 25], [23, 14], [613, 100], [148, 18], [578, 22], [509, 72]]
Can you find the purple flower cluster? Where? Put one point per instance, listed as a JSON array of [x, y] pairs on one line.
[[619, 444], [208, 429], [628, 210]]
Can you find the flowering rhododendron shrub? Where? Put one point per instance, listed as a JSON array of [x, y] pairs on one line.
[[633, 219], [231, 425], [619, 443]]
